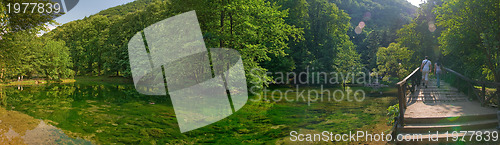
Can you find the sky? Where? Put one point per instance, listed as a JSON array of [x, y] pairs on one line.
[[87, 8], [416, 2]]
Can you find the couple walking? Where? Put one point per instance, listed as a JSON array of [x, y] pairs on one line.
[[426, 68]]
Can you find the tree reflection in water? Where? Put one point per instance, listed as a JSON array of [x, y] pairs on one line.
[[101, 113], [19, 128]]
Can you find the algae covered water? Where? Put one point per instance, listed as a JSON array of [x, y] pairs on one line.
[[83, 113]]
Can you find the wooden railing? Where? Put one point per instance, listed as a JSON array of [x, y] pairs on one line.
[[405, 87], [408, 85], [467, 86]]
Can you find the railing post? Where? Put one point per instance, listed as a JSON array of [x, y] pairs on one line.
[[404, 94], [402, 103], [461, 81], [483, 92], [395, 126], [469, 92], [498, 97]]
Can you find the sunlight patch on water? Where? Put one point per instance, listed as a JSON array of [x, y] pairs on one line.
[[18, 128]]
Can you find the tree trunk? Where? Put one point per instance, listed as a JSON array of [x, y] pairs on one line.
[[2, 69], [221, 42], [99, 68], [1, 75], [90, 69], [1, 96], [231, 30], [99, 62], [343, 82], [75, 66], [497, 79]]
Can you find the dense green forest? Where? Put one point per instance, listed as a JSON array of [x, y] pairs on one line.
[[24, 53], [385, 36]]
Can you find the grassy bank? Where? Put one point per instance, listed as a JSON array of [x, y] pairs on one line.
[[35, 82], [80, 79], [103, 79]]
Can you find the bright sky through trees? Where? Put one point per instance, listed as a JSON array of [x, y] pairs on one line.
[[88, 7], [416, 2], [85, 8]]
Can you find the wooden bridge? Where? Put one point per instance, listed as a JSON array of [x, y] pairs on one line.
[[460, 104]]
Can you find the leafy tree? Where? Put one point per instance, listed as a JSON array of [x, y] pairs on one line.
[[380, 18], [255, 28], [348, 61], [368, 49], [88, 42], [377, 13], [24, 21], [471, 36], [421, 35], [325, 27], [32, 56], [393, 61], [13, 23], [57, 60]]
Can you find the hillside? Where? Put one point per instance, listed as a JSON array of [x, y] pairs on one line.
[[374, 24], [125, 9], [101, 49], [378, 13]]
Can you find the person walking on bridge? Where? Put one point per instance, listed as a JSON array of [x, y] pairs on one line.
[[437, 71], [426, 68]]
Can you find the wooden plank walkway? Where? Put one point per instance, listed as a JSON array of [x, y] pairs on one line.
[[444, 109], [445, 101]]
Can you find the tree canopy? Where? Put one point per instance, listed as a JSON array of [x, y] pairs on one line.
[[23, 53], [471, 36], [271, 35]]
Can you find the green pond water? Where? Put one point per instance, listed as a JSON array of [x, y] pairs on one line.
[[83, 113]]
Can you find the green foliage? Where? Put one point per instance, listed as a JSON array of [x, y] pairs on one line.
[[383, 14], [382, 19], [286, 35], [348, 60], [28, 55], [369, 47], [256, 29], [21, 50], [125, 9], [471, 37], [87, 40], [325, 46], [32, 22], [393, 61], [117, 114], [392, 111], [421, 35], [57, 61], [3, 20]]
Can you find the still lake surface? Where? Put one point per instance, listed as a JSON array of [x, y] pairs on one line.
[[103, 113]]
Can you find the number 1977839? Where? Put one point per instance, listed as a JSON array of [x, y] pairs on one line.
[[33, 8]]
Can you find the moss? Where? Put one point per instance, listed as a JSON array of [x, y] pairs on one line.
[[156, 132], [109, 114], [103, 80], [243, 131]]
